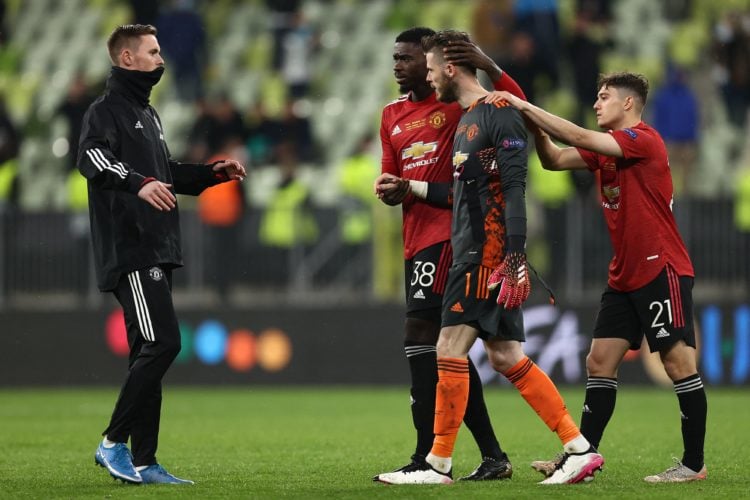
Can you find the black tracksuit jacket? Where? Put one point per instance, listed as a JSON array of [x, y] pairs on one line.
[[122, 144]]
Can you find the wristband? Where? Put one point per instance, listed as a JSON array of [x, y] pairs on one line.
[[147, 180], [418, 189]]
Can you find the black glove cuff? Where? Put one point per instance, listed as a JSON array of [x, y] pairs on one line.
[[515, 244]]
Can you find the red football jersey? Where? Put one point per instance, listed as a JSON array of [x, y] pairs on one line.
[[417, 141], [637, 201]]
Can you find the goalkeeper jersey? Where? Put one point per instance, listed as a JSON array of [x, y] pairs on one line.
[[490, 164], [637, 197]]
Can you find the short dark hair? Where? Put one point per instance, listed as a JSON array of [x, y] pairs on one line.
[[624, 80], [124, 35], [414, 35], [442, 39]]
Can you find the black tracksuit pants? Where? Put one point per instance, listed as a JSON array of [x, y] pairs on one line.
[[154, 340]]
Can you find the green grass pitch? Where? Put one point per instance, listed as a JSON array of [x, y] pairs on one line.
[[320, 442]]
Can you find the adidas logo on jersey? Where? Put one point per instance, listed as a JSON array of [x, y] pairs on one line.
[[662, 333], [138, 124], [419, 294], [457, 308], [396, 130]]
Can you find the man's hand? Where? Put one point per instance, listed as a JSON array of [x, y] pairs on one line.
[[158, 195], [461, 52], [232, 169], [513, 278], [391, 190], [502, 95]]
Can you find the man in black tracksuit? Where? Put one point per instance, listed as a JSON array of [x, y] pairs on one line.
[[132, 183]]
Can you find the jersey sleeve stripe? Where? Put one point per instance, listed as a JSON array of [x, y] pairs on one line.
[[102, 164]]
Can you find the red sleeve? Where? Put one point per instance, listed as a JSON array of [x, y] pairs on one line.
[[591, 159], [509, 84], [635, 143], [388, 163]]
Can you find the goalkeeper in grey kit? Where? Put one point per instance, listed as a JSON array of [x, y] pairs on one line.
[[488, 280]]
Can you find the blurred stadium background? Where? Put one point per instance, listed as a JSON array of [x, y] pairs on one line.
[[302, 283]]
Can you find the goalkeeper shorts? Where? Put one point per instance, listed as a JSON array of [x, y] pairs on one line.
[[468, 301]]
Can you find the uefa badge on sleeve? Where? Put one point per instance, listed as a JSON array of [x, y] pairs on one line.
[[156, 273]]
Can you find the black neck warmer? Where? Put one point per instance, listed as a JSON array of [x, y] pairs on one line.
[[134, 84]]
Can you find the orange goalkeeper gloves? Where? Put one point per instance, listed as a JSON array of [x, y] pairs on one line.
[[512, 275]]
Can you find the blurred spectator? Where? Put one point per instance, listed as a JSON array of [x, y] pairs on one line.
[[282, 20], [552, 190], [10, 145], [675, 117], [676, 10], [261, 134], [221, 208], [182, 38], [520, 63], [3, 27], [217, 122], [294, 130], [298, 46], [538, 18], [79, 97], [145, 11], [357, 202], [492, 28], [288, 225], [742, 218], [585, 46], [732, 39], [197, 148], [9, 148]]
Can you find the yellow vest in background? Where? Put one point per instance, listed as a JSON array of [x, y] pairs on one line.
[[78, 191], [357, 175], [8, 172], [285, 222], [550, 188], [742, 201]]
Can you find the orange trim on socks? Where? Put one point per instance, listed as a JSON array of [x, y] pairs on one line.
[[542, 395], [451, 395]]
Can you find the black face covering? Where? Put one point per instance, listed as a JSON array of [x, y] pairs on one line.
[[136, 84]]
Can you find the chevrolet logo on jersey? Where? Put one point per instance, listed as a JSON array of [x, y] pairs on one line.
[[459, 158], [418, 150]]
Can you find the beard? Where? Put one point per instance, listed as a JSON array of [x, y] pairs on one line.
[[449, 92]]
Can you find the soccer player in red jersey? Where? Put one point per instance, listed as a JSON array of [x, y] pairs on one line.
[[650, 275], [417, 137], [488, 232]]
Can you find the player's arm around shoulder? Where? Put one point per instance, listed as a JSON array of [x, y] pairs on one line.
[[555, 158], [560, 128]]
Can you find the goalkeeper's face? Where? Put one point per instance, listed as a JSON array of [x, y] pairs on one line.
[[446, 89], [409, 66]]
